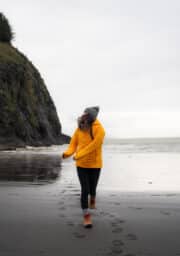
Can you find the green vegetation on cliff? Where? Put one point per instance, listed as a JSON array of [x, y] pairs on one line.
[[6, 34]]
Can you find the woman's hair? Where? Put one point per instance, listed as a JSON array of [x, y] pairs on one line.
[[85, 121]]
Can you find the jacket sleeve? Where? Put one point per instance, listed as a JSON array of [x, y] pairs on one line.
[[96, 142], [72, 146]]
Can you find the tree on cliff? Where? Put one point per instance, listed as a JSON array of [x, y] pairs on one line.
[[6, 34]]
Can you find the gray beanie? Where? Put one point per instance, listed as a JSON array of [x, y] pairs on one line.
[[92, 111]]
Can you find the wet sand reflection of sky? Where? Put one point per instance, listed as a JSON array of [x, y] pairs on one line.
[[31, 167]]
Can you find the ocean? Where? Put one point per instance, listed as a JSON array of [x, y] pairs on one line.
[[131, 165], [144, 145]]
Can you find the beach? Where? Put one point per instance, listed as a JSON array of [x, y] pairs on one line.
[[138, 210]]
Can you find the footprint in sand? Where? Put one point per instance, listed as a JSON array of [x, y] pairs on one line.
[[79, 235], [165, 213], [103, 213], [62, 208], [111, 215], [69, 186], [70, 224], [61, 203], [116, 225], [129, 254], [117, 230], [117, 248], [112, 195], [131, 237], [117, 243], [117, 251], [42, 252], [135, 208], [75, 190], [117, 203], [119, 221], [77, 194], [62, 216]]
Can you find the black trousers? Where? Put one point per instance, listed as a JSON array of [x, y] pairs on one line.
[[88, 178]]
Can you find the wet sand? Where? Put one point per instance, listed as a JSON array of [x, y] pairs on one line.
[[40, 221], [44, 218]]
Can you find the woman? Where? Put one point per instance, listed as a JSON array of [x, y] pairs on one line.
[[86, 146]]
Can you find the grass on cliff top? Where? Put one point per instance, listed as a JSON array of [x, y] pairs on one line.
[[8, 54]]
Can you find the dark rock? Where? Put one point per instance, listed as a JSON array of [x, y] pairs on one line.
[[28, 114]]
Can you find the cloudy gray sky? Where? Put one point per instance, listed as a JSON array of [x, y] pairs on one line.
[[121, 55]]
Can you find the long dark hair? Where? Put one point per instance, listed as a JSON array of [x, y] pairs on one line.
[[85, 123]]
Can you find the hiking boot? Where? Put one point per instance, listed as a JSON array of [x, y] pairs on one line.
[[92, 203], [87, 221]]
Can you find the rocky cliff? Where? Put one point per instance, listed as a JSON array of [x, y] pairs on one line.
[[27, 113]]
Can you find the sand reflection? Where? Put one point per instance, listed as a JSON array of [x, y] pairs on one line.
[[28, 166]]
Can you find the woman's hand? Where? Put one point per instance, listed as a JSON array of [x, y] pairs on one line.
[[64, 155]]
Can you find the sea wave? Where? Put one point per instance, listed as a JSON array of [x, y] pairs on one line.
[[143, 145]]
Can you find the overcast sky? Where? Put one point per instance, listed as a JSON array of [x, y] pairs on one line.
[[121, 55]]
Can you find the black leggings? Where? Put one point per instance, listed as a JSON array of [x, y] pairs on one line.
[[88, 178]]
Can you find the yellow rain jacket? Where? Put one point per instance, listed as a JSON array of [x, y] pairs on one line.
[[88, 150]]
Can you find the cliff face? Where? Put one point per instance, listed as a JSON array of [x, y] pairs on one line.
[[27, 113]]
